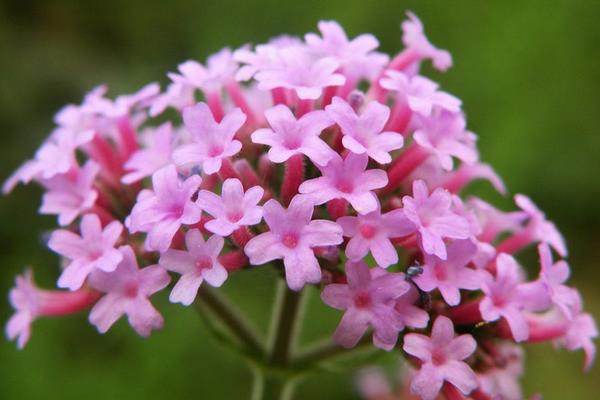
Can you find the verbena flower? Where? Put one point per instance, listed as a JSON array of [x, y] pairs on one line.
[[338, 163]]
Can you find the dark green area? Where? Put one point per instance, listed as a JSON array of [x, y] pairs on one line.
[[529, 76]]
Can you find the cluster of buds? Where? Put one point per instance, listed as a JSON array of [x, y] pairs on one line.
[[336, 163]]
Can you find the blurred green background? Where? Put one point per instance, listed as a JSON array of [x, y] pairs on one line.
[[527, 71]]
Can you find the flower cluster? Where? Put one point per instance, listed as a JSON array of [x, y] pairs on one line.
[[365, 206]]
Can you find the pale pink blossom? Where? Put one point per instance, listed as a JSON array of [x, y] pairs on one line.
[[178, 96], [452, 274], [364, 133], [291, 237], [554, 275], [289, 136], [154, 156], [347, 179], [297, 70], [161, 212], [508, 296], [93, 249], [127, 291], [443, 135], [356, 57], [211, 140], [199, 263], [368, 301], [539, 228], [414, 39], [233, 209], [372, 232], [420, 94], [69, 196], [434, 218], [220, 68], [442, 357]]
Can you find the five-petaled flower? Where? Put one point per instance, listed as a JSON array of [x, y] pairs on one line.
[[292, 237]]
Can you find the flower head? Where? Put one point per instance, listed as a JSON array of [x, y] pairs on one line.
[[414, 38], [211, 141], [94, 249], [372, 232], [442, 357], [364, 133], [233, 209], [161, 212], [368, 301], [346, 179], [291, 237], [69, 196], [127, 290], [434, 218], [356, 57], [200, 262], [451, 274], [289, 136]]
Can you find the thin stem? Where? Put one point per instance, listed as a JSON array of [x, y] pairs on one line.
[[326, 351], [270, 385], [286, 317], [230, 317]]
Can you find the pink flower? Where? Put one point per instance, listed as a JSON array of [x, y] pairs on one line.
[[356, 57], [506, 296], [195, 265], [554, 275], [347, 179], [291, 237], [55, 157], [68, 196], [434, 218], [211, 141], [298, 71], [31, 302], [410, 314], [372, 232], [93, 249], [157, 154], [128, 289], [493, 221], [24, 297], [444, 136], [502, 381], [420, 94], [233, 208], [368, 301], [539, 228], [580, 331], [161, 212], [414, 38], [364, 133], [220, 68], [452, 274], [265, 56], [289, 136], [178, 95], [442, 355]]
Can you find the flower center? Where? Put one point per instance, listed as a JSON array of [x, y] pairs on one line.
[[293, 143], [234, 216], [290, 240], [367, 231], [362, 300], [203, 263], [177, 210], [215, 150], [440, 272], [345, 187], [131, 289], [438, 358]]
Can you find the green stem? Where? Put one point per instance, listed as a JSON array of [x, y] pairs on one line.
[[271, 385], [287, 315], [231, 318], [328, 351]]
